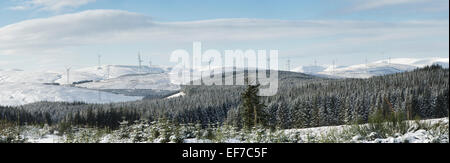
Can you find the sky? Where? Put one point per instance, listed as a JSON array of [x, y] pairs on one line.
[[53, 34]]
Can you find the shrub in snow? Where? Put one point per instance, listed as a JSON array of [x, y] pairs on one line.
[[12, 135], [429, 131], [84, 135]]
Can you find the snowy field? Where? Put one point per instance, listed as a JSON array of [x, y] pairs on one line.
[[426, 131], [414, 134]]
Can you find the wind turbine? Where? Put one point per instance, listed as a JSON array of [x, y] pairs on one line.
[[367, 66], [288, 64], [99, 62], [150, 62], [68, 74], [209, 62], [140, 61]]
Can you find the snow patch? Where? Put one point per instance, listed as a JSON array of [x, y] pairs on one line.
[[14, 94], [181, 94]]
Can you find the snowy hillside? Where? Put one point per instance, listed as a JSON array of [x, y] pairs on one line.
[[367, 71], [11, 76], [75, 75], [144, 81], [418, 62], [377, 68], [310, 69], [197, 73], [106, 72], [18, 87], [13, 94]]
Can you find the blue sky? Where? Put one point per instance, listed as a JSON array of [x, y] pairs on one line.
[[182, 10], [48, 34]]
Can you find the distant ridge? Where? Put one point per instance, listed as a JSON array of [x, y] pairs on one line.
[[377, 68]]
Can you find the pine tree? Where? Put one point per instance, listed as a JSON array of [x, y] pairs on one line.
[[252, 109]]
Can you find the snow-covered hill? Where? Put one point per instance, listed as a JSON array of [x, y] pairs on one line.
[[135, 81], [15, 75], [75, 75], [310, 69], [14, 94], [106, 72], [378, 68], [19, 87], [418, 62]]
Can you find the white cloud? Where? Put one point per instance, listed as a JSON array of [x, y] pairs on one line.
[[50, 5], [98, 27], [51, 34], [426, 5]]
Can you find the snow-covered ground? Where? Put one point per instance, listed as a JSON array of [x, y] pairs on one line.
[[45, 139], [16, 75], [417, 62], [412, 136], [135, 81], [433, 134], [13, 94], [198, 73], [181, 94], [90, 73], [18, 87], [378, 68], [106, 72]]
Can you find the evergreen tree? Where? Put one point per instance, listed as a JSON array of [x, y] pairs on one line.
[[252, 109]]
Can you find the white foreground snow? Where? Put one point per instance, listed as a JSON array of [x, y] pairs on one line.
[[414, 136], [34, 135]]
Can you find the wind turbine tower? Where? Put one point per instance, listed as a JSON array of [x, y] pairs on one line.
[[99, 62], [108, 68], [288, 65], [68, 74], [209, 63], [140, 61], [333, 67]]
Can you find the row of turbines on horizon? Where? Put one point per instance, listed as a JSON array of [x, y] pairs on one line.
[[107, 74], [140, 61], [334, 65]]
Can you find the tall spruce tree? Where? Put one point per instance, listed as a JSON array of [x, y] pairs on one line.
[[253, 113]]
